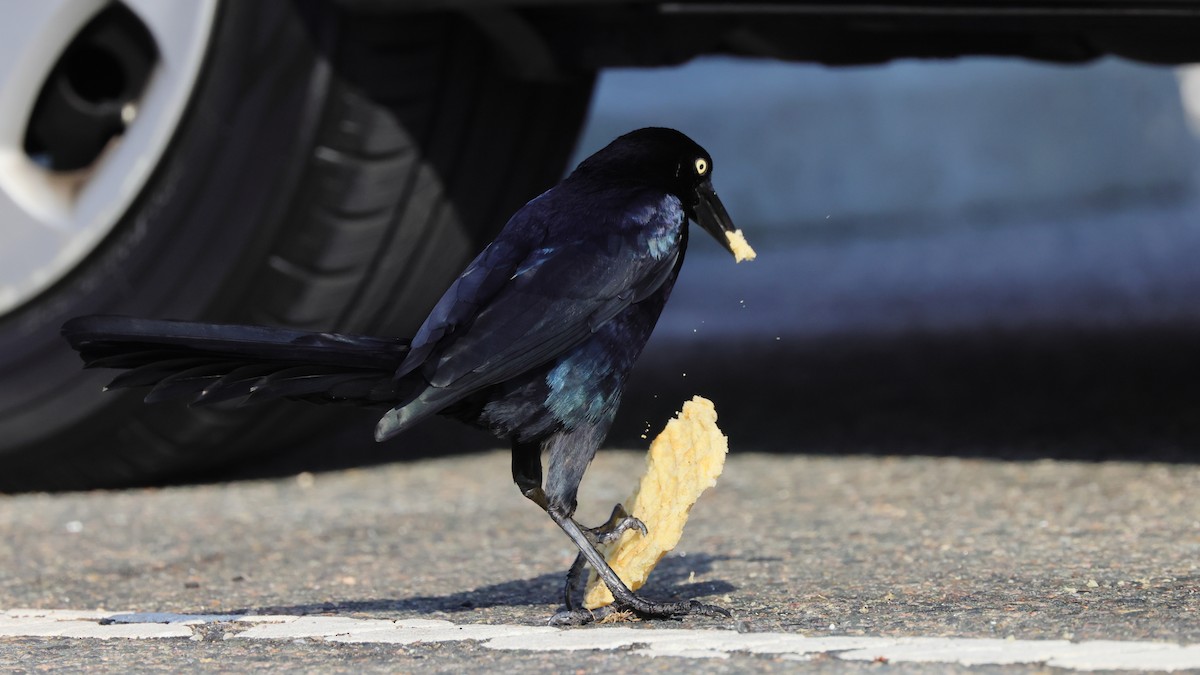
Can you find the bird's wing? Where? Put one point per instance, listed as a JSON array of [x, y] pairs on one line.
[[500, 319], [555, 301]]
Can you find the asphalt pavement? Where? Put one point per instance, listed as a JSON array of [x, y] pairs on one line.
[[814, 546]]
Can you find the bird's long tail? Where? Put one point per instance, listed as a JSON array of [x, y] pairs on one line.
[[219, 362]]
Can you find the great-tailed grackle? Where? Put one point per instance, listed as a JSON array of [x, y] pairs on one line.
[[533, 341]]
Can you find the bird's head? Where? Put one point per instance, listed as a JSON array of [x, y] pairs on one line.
[[669, 160]]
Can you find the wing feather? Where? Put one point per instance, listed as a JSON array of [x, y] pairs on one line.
[[522, 304]]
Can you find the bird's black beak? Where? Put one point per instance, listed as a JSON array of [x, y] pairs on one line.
[[710, 213]]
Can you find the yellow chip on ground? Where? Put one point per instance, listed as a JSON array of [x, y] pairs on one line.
[[684, 460], [741, 247]]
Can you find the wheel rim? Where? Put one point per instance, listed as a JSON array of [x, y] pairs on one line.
[[57, 206]]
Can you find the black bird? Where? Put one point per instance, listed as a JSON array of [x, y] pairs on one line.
[[532, 342]]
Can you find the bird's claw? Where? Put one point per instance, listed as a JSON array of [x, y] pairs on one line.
[[641, 608], [617, 524]]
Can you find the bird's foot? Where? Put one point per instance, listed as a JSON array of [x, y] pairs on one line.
[[617, 524], [638, 607], [624, 600]]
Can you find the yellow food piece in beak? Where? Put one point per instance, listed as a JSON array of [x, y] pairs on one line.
[[741, 249], [684, 460]]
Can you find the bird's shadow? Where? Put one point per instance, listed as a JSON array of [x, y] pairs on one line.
[[671, 580]]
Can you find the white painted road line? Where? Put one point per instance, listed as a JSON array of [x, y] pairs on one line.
[[649, 642], [75, 624]]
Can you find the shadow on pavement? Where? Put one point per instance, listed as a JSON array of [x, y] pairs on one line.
[[668, 582]]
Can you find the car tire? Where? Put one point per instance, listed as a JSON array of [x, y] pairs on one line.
[[332, 171]]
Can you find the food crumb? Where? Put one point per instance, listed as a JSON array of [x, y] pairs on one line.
[[741, 248], [619, 617]]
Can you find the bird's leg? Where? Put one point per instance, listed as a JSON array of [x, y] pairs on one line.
[[527, 473], [618, 522], [574, 576], [610, 531], [623, 598]]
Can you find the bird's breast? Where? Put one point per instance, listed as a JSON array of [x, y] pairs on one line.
[[661, 226]]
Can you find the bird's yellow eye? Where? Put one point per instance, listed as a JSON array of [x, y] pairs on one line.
[[701, 166]]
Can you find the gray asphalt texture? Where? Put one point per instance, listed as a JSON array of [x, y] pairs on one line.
[[817, 545]]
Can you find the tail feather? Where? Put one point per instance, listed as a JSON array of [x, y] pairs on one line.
[[152, 373], [214, 362], [123, 360], [236, 384], [189, 382], [323, 383]]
